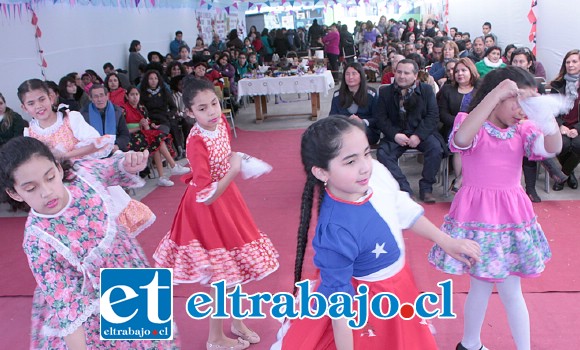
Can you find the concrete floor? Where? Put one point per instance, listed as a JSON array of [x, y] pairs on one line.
[[246, 120]]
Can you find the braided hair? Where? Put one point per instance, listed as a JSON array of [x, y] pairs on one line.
[[321, 143]]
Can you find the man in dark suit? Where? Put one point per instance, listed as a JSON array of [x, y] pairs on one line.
[[407, 115]]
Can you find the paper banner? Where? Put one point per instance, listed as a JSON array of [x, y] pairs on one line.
[[201, 3], [250, 4], [533, 20], [291, 3], [209, 6], [152, 3], [259, 7], [227, 8], [235, 4]]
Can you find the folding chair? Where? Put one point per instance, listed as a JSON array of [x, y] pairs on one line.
[[443, 177], [227, 111]]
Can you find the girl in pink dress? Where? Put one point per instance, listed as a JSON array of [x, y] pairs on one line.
[[69, 136], [71, 233], [491, 206], [213, 236]]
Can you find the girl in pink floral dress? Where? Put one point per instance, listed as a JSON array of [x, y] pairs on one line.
[[71, 233], [69, 136], [491, 206]]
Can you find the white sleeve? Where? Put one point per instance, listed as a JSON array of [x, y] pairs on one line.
[[408, 211], [80, 128]]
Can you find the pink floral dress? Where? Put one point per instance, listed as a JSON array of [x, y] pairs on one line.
[[71, 132], [491, 206], [66, 251]]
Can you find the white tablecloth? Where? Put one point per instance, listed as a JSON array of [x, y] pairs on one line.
[[307, 83]]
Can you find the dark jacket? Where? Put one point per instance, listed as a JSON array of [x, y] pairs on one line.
[[15, 129], [123, 135], [449, 102], [422, 117], [364, 112]]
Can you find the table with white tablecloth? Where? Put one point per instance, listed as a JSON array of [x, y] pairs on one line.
[[307, 83]]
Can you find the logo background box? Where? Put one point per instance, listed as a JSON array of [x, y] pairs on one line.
[[142, 299]]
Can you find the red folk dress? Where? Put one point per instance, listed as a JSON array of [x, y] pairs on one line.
[[219, 241]]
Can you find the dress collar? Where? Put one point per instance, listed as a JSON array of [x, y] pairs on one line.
[[502, 134], [362, 200]]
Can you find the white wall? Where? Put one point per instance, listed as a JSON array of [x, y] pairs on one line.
[[81, 37], [509, 19]]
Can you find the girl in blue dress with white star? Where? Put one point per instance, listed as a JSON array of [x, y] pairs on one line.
[[359, 240]]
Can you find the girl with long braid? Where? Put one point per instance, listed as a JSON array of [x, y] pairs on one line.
[[358, 240]]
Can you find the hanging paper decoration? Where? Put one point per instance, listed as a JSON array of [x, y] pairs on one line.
[[227, 8], [235, 4], [446, 14], [533, 20], [37, 36], [259, 7], [250, 4]]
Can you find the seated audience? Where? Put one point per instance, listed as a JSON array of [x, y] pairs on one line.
[[356, 100], [567, 83], [407, 115], [523, 58], [146, 135], [452, 99], [162, 110], [116, 91], [491, 60], [106, 118], [11, 123]]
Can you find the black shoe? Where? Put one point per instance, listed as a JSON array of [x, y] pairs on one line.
[[558, 186], [427, 198], [533, 195], [572, 181]]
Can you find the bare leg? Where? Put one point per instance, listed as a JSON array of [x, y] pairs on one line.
[[158, 163], [457, 169], [216, 334], [165, 153]]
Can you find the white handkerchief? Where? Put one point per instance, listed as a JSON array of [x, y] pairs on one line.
[[253, 167]]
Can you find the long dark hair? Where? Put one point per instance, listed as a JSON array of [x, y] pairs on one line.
[[346, 97], [133, 46], [18, 151], [529, 57], [321, 143], [193, 86], [518, 75], [6, 123], [30, 85], [562, 72]]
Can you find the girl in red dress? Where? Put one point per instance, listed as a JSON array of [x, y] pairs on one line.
[[213, 236]]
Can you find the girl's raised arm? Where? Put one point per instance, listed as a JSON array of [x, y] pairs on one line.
[[471, 125]]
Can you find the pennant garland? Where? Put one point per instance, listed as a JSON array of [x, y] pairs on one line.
[[37, 36], [533, 20]]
